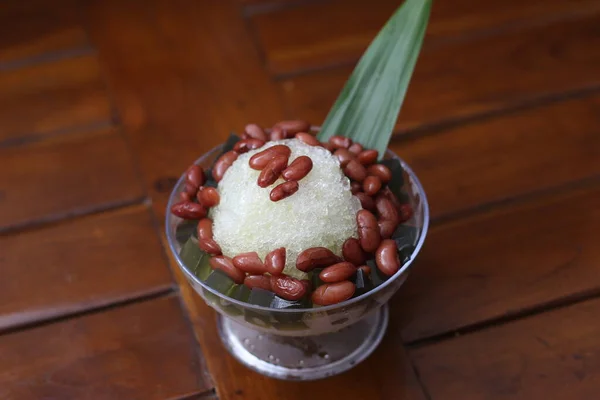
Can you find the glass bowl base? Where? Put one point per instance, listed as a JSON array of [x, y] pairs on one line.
[[304, 358]]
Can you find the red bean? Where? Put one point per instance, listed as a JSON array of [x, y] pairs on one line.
[[205, 228], [210, 246], [405, 211], [272, 171], [298, 169], [260, 160], [223, 164], [188, 210], [190, 189], [366, 201], [244, 146], [390, 195], [380, 171], [226, 265], [315, 257], [368, 231], [386, 257], [344, 156], [308, 139], [287, 287], [386, 228], [185, 196], [365, 269], [195, 176], [249, 262], [355, 171], [355, 149], [258, 281], [371, 185], [385, 209], [337, 272], [368, 157], [352, 251], [208, 196], [294, 126], [307, 284], [255, 132], [283, 190], [333, 293], [277, 134], [340, 142], [355, 187], [328, 146], [275, 261]]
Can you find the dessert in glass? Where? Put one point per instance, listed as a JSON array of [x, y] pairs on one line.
[[297, 244]]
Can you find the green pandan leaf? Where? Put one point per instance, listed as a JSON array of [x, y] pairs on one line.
[[368, 106]]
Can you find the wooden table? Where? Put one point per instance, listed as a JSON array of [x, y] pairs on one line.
[[103, 103]]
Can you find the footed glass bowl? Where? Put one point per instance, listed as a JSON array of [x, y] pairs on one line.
[[302, 343]]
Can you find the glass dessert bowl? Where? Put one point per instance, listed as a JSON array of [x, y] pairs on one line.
[[308, 336]]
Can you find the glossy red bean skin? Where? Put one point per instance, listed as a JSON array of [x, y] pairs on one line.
[[386, 257], [337, 272], [210, 246], [368, 231], [190, 189], [355, 171], [283, 190], [340, 142], [355, 187], [367, 157], [205, 228], [195, 176], [371, 185], [355, 149], [188, 210], [226, 265], [272, 171], [366, 202], [244, 146], [294, 126], [260, 160], [329, 146], [405, 211], [255, 132], [344, 156], [208, 196], [307, 284], [298, 169], [308, 139], [258, 281], [385, 209], [287, 287], [277, 134], [386, 228], [275, 261], [365, 269], [333, 293], [315, 257], [185, 197], [380, 171], [353, 252], [223, 164], [249, 262]]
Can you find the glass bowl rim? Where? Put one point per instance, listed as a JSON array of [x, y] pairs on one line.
[[171, 240]]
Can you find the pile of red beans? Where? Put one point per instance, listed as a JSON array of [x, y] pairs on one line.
[[381, 214]]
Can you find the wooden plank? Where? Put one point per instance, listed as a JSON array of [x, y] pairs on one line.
[[211, 79], [505, 157], [386, 374], [85, 263], [70, 174], [491, 73], [52, 97], [550, 356], [503, 262], [327, 33], [140, 351], [38, 28]]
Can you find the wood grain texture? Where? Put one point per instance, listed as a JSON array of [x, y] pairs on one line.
[[140, 351], [85, 263], [505, 157], [481, 75], [211, 80], [67, 175], [502, 262], [367, 380], [39, 28], [549, 356], [325, 33], [51, 98]]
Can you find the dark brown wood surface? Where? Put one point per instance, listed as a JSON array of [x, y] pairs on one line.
[[104, 103]]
